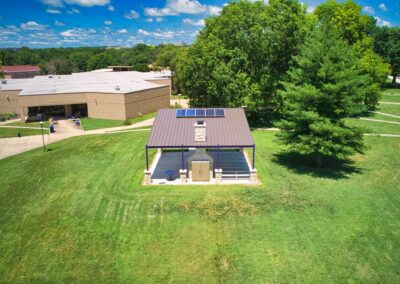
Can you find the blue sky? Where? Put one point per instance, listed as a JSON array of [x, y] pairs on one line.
[[56, 23]]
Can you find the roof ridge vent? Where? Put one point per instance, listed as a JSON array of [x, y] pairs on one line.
[[117, 88]]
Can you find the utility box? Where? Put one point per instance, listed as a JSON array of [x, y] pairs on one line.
[[200, 170]]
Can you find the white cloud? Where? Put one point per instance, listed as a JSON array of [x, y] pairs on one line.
[[55, 3], [149, 20], [53, 11], [78, 33], [176, 7], [32, 26], [108, 22], [157, 34], [193, 22], [159, 19], [111, 8], [382, 6], [88, 3], [369, 10], [132, 15], [73, 11], [122, 31], [382, 23], [85, 3], [58, 23]]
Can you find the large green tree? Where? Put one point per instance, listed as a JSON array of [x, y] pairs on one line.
[[356, 28], [387, 44], [240, 56], [325, 87]]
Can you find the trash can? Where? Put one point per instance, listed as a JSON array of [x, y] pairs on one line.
[[52, 130]]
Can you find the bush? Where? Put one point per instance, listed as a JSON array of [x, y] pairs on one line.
[[127, 122], [7, 116]]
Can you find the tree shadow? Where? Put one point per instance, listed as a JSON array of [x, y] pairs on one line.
[[306, 164]]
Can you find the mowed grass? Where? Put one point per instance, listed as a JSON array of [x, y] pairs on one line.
[[391, 95], [95, 123], [13, 132], [79, 213]]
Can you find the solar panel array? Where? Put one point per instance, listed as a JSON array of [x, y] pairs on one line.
[[200, 112]]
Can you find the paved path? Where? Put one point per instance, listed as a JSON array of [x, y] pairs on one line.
[[10, 121], [379, 120], [385, 114], [184, 102], [389, 103], [382, 135], [65, 129], [14, 126]]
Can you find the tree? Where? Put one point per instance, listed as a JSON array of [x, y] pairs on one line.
[[387, 44], [356, 28], [325, 87], [347, 18], [241, 55]]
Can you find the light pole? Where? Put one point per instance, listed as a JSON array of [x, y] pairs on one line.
[[179, 99], [41, 126]]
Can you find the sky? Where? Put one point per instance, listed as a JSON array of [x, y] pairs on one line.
[[72, 23]]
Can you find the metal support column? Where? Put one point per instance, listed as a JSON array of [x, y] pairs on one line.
[[218, 162], [182, 159], [147, 158], [254, 155]]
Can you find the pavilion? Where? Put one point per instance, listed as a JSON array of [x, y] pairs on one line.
[[201, 146]]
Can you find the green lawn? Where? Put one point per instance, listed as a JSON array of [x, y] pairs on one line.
[[376, 127], [81, 215], [95, 123], [391, 95], [12, 132]]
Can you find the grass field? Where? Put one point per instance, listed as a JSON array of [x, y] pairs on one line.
[[95, 123], [12, 132], [81, 215], [391, 95]]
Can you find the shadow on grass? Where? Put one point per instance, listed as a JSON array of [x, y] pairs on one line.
[[306, 164]]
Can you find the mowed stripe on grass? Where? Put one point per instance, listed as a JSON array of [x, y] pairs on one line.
[[79, 213]]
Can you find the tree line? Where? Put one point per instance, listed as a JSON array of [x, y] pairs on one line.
[[67, 60]]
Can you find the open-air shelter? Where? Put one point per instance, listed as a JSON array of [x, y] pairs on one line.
[[201, 146]]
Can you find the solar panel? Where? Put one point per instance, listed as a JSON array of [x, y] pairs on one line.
[[191, 113], [210, 112], [180, 112], [219, 112], [200, 112]]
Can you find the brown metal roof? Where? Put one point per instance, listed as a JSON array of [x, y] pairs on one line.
[[170, 131]]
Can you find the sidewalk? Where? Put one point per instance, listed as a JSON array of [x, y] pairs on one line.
[[64, 130]]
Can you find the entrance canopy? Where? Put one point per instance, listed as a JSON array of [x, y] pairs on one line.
[[224, 128]]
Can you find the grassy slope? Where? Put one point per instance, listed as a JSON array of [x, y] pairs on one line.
[[81, 215], [12, 132], [95, 123], [391, 95]]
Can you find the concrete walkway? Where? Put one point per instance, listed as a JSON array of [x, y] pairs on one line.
[[379, 120], [389, 103], [65, 129], [385, 114], [183, 102], [10, 121]]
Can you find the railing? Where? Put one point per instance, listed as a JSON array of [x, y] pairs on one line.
[[235, 175]]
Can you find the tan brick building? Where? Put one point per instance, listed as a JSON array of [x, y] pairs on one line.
[[105, 94]]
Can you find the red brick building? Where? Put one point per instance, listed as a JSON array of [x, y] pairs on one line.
[[20, 71]]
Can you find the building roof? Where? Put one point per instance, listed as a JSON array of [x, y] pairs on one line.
[[232, 130], [19, 68], [87, 82]]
